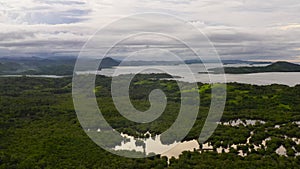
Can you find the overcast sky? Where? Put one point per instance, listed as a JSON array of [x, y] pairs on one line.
[[239, 29]]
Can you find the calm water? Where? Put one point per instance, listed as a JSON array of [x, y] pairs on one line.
[[286, 78], [154, 145], [188, 75]]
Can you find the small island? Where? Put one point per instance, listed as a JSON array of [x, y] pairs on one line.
[[280, 66]]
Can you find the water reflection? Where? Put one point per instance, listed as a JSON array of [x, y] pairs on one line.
[[155, 145]]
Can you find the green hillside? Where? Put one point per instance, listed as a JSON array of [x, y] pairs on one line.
[[275, 67]]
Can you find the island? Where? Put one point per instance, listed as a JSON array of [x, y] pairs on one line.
[[280, 66]]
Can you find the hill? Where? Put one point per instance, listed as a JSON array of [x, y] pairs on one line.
[[109, 62], [9, 66], [45, 66], [274, 67], [225, 62]]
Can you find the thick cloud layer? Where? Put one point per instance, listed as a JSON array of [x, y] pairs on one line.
[[240, 29]]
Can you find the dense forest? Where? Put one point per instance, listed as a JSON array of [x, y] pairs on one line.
[[39, 127]]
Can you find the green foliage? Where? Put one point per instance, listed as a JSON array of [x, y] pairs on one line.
[[39, 128]]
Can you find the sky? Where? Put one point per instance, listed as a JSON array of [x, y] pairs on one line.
[[239, 29]]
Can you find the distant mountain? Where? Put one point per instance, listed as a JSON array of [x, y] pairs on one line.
[[284, 67], [190, 61], [149, 63], [275, 67], [225, 62], [46, 66], [109, 62], [9, 66], [193, 61], [65, 65]]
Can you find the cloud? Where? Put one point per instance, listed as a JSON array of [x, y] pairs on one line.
[[16, 36], [31, 12], [292, 26], [239, 29]]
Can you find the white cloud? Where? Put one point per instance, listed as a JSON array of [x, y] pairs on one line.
[[244, 29], [291, 26]]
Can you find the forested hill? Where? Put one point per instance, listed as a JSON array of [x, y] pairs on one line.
[[46, 66], [275, 67]]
